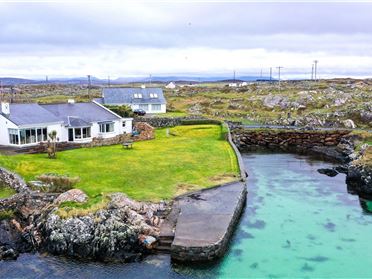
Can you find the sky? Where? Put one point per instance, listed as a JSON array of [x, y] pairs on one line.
[[201, 38]]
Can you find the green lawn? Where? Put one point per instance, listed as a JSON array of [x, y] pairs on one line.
[[192, 157]]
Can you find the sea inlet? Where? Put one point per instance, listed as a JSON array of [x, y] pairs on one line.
[[297, 223]]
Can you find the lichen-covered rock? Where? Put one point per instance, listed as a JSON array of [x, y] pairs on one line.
[[110, 233], [73, 195]]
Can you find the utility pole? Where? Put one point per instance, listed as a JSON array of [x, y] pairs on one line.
[[279, 68], [234, 75], [108, 81], [261, 75], [315, 69], [312, 71], [150, 79], [46, 79], [271, 73], [89, 86]]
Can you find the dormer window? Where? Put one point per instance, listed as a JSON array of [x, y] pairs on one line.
[[153, 95], [137, 95]]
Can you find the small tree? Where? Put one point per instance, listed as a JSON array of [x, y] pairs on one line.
[[52, 142]]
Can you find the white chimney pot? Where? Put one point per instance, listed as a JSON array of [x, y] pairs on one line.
[[5, 108]]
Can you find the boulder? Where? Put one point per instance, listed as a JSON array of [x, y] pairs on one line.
[[329, 172], [73, 195], [348, 123]]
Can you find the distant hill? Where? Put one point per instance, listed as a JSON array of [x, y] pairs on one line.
[[122, 80]]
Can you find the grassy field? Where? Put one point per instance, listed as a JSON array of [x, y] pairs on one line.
[[192, 157]]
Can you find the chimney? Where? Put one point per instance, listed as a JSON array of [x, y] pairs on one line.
[[5, 108], [71, 101]]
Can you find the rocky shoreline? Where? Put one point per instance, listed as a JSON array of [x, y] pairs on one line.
[[120, 231]]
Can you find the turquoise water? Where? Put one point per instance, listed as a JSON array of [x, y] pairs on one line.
[[297, 224]]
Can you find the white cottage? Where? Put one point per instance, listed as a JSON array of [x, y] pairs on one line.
[[151, 100], [29, 124]]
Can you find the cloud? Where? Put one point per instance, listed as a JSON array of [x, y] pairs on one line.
[[129, 38]]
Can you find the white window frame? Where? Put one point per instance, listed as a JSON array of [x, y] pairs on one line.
[[158, 107], [104, 125]]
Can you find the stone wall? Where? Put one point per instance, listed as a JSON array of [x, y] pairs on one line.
[[14, 181], [244, 137], [162, 122]]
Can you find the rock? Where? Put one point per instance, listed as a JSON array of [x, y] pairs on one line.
[[271, 101], [8, 254], [111, 233], [73, 195], [339, 102], [348, 123], [329, 172]]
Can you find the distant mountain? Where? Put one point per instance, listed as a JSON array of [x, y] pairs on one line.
[[122, 80], [13, 81]]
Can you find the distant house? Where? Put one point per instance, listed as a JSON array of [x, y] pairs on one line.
[[233, 84], [149, 99], [242, 84], [29, 124], [170, 85]]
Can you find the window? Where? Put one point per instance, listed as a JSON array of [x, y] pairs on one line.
[[156, 107], [106, 127], [86, 132], [77, 133], [33, 135], [80, 133], [145, 107], [137, 95], [13, 136], [153, 95]]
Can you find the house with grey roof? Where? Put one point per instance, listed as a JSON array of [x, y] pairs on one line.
[[29, 124], [149, 99]]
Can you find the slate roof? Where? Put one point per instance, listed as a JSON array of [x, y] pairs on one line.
[[73, 115], [116, 96], [30, 114], [80, 113]]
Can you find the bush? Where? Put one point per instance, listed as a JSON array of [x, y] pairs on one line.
[[58, 183], [123, 111], [200, 122]]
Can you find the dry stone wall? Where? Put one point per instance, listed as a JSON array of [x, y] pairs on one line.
[[244, 137]]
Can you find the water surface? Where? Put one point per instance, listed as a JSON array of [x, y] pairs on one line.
[[297, 223]]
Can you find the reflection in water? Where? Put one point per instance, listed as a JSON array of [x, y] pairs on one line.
[[298, 223]]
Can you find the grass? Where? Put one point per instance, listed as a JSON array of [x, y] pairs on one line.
[[6, 192], [192, 157]]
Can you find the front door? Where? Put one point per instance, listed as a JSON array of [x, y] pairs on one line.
[[70, 134]]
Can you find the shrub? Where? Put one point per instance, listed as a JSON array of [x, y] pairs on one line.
[[123, 111], [200, 122], [58, 183]]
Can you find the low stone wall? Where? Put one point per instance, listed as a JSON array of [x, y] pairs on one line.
[[14, 181], [163, 122], [160, 122], [245, 137]]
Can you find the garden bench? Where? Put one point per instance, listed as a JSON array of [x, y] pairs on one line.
[[128, 144]]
